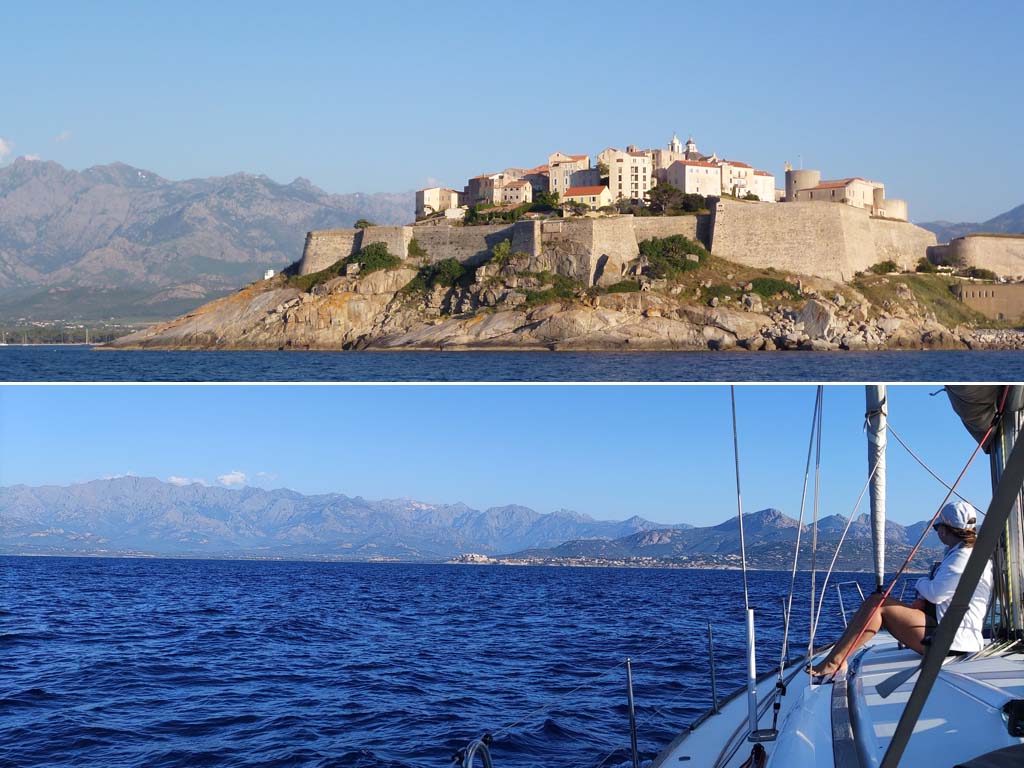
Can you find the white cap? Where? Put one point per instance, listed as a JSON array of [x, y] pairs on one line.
[[958, 514]]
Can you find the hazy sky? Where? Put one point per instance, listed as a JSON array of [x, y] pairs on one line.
[[393, 95], [662, 452]]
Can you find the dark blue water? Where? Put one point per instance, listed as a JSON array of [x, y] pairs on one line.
[[107, 662], [84, 364]]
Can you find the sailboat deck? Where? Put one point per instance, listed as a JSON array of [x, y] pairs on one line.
[[962, 719], [847, 724]]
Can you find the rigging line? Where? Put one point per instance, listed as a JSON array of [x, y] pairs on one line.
[[814, 528], [924, 533], [799, 530], [739, 497], [839, 546], [928, 469], [547, 705]]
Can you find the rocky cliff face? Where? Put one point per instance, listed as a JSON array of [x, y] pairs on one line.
[[118, 240], [509, 306]]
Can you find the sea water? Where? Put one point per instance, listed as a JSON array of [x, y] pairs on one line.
[[128, 662], [80, 363]]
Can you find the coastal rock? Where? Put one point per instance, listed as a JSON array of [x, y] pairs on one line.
[[818, 318]]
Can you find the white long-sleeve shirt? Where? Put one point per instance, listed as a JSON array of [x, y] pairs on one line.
[[939, 589]]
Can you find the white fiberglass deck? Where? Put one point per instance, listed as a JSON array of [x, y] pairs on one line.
[[848, 724]]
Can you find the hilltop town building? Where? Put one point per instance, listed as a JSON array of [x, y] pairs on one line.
[[566, 171], [517, 192], [593, 197], [630, 173], [804, 185], [436, 200], [695, 177]]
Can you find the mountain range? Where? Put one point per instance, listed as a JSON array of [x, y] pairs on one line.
[[136, 515], [119, 241], [769, 537], [1011, 222], [146, 515]]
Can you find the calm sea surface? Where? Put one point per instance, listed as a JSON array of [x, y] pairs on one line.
[[107, 662], [39, 363]]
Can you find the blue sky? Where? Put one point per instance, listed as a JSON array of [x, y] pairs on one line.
[[662, 452], [391, 95]]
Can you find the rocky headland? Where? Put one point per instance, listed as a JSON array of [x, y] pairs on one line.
[[512, 302]]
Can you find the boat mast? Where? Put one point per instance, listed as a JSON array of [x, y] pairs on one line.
[[875, 422]]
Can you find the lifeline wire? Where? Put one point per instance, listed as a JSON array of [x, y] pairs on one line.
[[739, 497], [799, 529]]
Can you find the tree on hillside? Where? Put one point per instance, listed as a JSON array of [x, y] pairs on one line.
[[665, 197]]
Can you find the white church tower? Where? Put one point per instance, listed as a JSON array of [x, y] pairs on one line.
[[675, 146]]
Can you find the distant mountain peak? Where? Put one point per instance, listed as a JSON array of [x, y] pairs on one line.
[[118, 240]]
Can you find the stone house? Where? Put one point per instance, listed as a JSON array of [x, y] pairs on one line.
[[802, 185], [566, 171], [436, 200], [517, 192], [593, 197], [695, 177]]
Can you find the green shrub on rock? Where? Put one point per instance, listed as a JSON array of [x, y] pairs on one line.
[[667, 256], [373, 258], [924, 265], [415, 250], [884, 267], [768, 287], [447, 273], [626, 286]]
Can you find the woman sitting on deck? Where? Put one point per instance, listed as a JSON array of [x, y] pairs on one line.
[[911, 623]]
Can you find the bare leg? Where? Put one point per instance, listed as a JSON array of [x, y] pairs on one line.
[[908, 625]]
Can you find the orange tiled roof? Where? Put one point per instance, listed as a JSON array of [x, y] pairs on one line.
[[761, 173], [737, 163], [584, 191], [518, 184]]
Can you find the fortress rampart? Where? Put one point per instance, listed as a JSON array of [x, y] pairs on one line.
[[814, 238], [1003, 254]]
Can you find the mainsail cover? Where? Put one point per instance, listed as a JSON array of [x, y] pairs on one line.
[[978, 404]]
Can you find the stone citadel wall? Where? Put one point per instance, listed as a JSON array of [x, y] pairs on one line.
[[814, 238], [1003, 254]]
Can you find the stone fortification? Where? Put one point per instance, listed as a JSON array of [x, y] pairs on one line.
[[899, 241], [328, 246], [1003, 254], [590, 250], [996, 301], [813, 238]]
